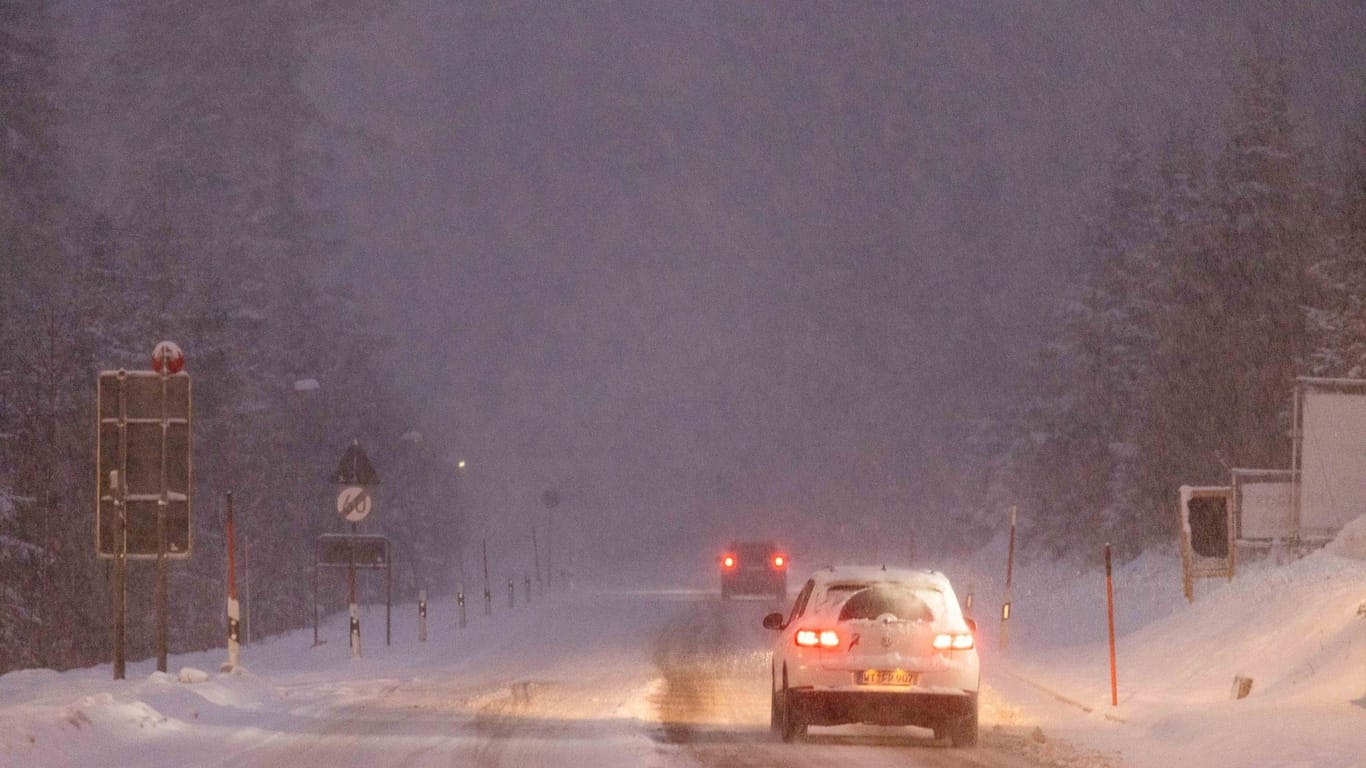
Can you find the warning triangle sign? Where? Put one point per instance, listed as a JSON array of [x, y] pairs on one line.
[[355, 468]]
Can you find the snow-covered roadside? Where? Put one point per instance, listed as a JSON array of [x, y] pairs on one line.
[[197, 715], [1297, 630]]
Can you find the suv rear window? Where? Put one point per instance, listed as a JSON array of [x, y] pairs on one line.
[[902, 602]]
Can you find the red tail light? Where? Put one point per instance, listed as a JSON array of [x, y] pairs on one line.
[[817, 638], [728, 561], [779, 561]]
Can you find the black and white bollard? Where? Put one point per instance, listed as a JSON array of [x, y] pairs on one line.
[[422, 615], [460, 602]]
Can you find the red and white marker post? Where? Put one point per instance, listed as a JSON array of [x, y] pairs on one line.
[[234, 610]]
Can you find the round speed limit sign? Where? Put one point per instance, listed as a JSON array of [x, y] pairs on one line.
[[353, 503]]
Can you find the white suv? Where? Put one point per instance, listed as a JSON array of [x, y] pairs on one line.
[[877, 645]]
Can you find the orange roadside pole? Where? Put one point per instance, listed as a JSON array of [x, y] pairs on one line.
[[1110, 608]]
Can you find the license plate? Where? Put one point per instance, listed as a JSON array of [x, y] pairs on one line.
[[887, 677]]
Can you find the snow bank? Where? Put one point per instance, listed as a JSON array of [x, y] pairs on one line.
[[1295, 630], [192, 675], [1351, 541]]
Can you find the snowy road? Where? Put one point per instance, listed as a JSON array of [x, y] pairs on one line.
[[643, 679], [668, 679]]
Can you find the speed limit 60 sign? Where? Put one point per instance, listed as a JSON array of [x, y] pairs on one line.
[[353, 503]]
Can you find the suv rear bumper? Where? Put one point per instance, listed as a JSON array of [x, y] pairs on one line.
[[928, 710]]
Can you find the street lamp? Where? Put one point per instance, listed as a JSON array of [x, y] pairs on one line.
[[306, 418]]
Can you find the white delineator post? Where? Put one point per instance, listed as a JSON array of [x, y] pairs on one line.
[[422, 616]]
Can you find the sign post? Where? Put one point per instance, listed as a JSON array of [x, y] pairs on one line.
[[354, 552], [143, 480], [353, 504], [550, 499]]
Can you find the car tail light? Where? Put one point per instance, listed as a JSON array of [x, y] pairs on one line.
[[818, 638], [954, 642], [728, 561], [779, 561]]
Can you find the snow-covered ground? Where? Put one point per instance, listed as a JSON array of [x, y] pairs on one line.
[[1297, 629], [659, 677]]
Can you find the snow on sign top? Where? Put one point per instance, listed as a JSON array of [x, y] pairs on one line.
[[168, 354], [355, 468]]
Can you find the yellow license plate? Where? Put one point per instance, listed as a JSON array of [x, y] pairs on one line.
[[887, 677]]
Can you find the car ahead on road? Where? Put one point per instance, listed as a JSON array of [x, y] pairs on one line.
[[753, 568], [876, 645]]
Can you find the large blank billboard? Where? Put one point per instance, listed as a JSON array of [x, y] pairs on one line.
[[1331, 454]]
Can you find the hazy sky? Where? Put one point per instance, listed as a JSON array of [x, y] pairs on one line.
[[714, 267]]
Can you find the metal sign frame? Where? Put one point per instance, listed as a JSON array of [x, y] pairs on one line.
[[1193, 565], [356, 556], [154, 412], [347, 541], [1243, 479]]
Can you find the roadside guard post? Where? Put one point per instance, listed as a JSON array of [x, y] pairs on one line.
[[234, 610], [1010, 567]]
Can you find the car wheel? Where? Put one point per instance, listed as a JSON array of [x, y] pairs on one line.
[[963, 731], [775, 717], [790, 720]]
